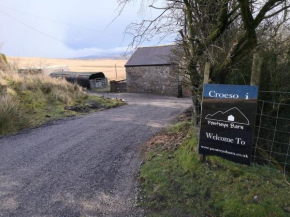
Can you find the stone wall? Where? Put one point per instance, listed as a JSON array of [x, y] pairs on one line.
[[118, 86], [152, 79]]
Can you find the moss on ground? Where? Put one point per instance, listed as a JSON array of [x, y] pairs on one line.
[[175, 183], [39, 108]]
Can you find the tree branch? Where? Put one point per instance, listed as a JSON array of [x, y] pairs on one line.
[[267, 7]]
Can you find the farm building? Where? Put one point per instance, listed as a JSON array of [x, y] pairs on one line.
[[152, 70], [89, 80]]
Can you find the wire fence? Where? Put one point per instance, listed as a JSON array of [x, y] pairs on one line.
[[272, 134]]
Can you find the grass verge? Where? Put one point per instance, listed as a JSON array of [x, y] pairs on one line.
[[175, 183], [31, 100]]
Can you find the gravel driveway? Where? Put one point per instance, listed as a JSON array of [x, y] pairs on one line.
[[83, 166]]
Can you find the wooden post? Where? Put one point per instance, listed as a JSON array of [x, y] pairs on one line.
[[206, 73], [116, 71], [256, 70], [205, 81], [255, 81]]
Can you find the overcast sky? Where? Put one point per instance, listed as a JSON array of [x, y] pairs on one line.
[[33, 36]]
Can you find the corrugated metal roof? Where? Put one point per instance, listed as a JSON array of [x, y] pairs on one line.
[[152, 56], [74, 73]]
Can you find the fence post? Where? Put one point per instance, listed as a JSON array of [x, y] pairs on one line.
[[205, 81], [255, 80], [116, 71], [206, 73], [256, 70]]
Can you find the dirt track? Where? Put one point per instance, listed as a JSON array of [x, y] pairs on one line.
[[83, 166]]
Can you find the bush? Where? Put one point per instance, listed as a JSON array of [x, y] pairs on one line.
[[10, 115], [275, 89]]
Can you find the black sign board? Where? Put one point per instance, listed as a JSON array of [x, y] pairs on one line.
[[228, 121]]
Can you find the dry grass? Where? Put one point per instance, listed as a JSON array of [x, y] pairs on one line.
[[58, 88], [11, 118], [100, 65], [28, 100]]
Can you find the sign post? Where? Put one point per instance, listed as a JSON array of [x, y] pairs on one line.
[[228, 121]]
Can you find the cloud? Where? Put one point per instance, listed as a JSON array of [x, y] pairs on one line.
[[37, 37], [93, 51]]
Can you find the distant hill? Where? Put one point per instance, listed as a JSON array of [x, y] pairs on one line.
[[104, 56], [89, 64]]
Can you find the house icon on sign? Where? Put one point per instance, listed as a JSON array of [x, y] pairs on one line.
[[231, 118]]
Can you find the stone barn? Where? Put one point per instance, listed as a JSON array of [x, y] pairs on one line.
[[152, 70]]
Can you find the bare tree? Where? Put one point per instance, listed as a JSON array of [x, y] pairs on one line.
[[220, 31]]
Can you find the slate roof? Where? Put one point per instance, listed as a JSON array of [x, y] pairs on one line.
[[152, 56]]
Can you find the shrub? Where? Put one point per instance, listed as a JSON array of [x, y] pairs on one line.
[[10, 115]]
